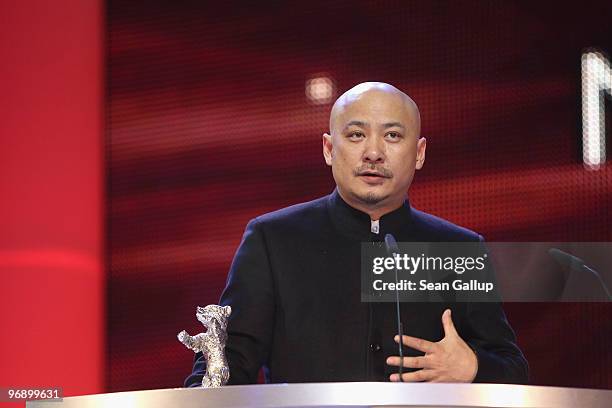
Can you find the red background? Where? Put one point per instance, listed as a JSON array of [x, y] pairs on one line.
[[52, 292]]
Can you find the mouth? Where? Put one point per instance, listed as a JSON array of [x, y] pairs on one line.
[[370, 173], [372, 177]]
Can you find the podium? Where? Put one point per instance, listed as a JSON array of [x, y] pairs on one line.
[[355, 394]]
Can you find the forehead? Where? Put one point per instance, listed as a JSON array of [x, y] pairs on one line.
[[375, 108]]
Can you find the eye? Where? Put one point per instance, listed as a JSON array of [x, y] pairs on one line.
[[393, 136], [355, 136]]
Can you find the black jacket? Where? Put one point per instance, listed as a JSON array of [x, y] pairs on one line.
[[294, 289]]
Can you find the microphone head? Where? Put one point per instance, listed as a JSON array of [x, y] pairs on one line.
[[573, 263], [566, 260], [391, 244]]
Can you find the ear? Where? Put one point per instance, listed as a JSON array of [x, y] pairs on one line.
[[420, 156], [327, 148]]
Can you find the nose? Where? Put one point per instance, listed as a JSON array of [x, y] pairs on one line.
[[374, 150]]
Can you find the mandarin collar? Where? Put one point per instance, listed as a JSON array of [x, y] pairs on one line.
[[356, 224]]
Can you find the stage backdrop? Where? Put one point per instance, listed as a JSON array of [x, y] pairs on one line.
[[215, 115]]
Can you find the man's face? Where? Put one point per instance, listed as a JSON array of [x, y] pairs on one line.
[[374, 149]]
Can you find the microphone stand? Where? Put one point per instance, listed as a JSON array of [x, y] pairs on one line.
[[392, 250]]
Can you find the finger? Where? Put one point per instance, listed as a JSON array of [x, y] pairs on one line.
[[411, 362], [416, 343], [416, 376], [447, 323]]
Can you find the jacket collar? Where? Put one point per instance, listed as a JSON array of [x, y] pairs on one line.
[[356, 224]]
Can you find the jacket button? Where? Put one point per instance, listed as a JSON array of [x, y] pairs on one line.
[[375, 347]]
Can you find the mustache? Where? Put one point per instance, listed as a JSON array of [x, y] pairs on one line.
[[372, 169]]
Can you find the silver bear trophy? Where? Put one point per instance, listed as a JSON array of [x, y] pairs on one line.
[[211, 343]]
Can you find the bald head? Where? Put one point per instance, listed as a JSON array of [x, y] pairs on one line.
[[375, 94], [374, 147]]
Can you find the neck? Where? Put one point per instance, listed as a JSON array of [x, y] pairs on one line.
[[375, 211]]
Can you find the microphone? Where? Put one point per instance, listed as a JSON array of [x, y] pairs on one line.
[[392, 250], [576, 264]]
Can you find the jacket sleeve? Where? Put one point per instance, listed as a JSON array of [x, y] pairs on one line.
[[493, 341], [250, 293]]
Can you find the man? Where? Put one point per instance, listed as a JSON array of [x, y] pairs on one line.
[[294, 283]]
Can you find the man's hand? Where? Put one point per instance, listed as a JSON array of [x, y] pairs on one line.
[[449, 360]]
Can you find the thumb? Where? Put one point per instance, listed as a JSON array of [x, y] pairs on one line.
[[447, 323]]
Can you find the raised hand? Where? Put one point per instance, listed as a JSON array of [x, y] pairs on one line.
[[448, 360]]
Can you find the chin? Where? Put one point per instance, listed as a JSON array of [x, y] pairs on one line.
[[371, 197]]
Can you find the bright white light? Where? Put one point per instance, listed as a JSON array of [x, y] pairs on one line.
[[596, 82], [320, 90]]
